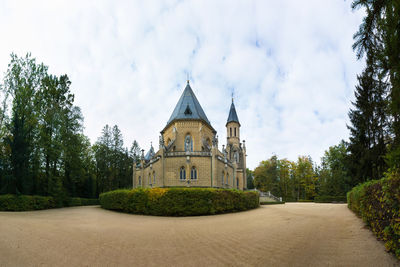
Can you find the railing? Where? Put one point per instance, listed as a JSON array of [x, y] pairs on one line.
[[268, 194], [189, 153]]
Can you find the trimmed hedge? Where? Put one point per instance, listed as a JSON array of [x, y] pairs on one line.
[[378, 204], [26, 202], [271, 202], [179, 201], [77, 201], [330, 199]]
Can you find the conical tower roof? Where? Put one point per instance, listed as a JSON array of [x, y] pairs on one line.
[[232, 114], [188, 108]]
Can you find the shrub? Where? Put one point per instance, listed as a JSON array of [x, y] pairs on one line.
[[329, 199], [77, 201], [26, 202], [179, 201], [272, 202], [378, 204]]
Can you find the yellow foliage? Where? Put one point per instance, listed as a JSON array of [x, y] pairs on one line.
[[156, 193]]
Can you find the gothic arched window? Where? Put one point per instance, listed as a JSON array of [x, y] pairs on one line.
[[227, 178], [237, 183], [149, 178], [236, 156], [154, 177], [140, 181], [188, 143], [193, 173], [182, 173], [222, 178]]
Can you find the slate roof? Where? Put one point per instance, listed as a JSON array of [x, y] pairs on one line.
[[232, 115], [150, 154], [188, 107]]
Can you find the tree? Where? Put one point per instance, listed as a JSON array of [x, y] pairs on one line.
[[306, 177], [22, 81], [134, 152], [114, 162], [368, 127], [334, 178], [249, 176], [379, 37], [266, 176], [286, 168]]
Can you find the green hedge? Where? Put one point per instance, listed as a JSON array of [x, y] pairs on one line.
[[77, 201], [271, 202], [178, 201], [378, 204], [330, 199], [25, 202]]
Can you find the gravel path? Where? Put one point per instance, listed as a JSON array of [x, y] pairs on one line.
[[294, 234]]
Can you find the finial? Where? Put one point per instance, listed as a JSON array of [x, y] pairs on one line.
[[188, 78], [232, 96]]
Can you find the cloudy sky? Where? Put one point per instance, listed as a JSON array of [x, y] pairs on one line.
[[289, 64]]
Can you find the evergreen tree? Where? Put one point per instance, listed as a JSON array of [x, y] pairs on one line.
[[379, 37], [368, 127]]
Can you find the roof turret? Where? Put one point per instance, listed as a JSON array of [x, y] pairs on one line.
[[232, 114], [188, 108]]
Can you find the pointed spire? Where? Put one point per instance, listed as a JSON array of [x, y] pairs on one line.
[[188, 107], [232, 114]]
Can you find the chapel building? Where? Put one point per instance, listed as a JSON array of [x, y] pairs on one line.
[[188, 154]]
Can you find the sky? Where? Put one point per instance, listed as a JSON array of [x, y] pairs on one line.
[[289, 65]]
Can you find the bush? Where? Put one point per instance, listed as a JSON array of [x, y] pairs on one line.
[[330, 199], [272, 202], [77, 201], [378, 204], [26, 202], [179, 201], [305, 200]]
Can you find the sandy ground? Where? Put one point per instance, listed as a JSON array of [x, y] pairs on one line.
[[298, 234]]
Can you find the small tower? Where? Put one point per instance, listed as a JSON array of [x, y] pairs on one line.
[[233, 127], [235, 150]]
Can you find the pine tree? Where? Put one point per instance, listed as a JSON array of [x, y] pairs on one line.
[[379, 36], [368, 127]]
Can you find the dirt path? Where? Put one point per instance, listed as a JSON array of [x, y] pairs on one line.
[[282, 235]]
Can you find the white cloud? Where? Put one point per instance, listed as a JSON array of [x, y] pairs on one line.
[[290, 64]]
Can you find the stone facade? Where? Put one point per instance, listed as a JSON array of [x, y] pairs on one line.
[[188, 152]]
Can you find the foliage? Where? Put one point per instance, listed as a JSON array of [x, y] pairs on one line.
[[179, 201], [43, 150], [378, 204], [272, 202], [250, 178], [378, 38], [113, 161], [10, 202], [287, 179], [330, 199], [333, 174], [23, 203], [368, 130]]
